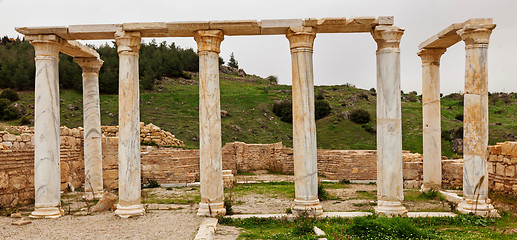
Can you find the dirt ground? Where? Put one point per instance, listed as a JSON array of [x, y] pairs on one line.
[[179, 221]]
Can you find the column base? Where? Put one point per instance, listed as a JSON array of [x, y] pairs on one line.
[[211, 209], [47, 212], [129, 211], [310, 208], [90, 196], [479, 208], [390, 209]]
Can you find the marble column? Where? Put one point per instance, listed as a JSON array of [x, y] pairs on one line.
[[92, 127], [306, 200], [47, 171], [210, 141], [475, 123], [389, 126], [431, 118], [128, 45]]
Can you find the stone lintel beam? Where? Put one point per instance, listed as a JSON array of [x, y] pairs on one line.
[[229, 27], [449, 36], [69, 47]]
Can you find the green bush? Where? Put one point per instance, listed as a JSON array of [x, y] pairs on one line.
[[322, 193], [10, 94], [152, 183], [369, 128], [25, 120], [321, 109], [11, 113], [360, 116], [412, 96], [284, 111], [459, 117]]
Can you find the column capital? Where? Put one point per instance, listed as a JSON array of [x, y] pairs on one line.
[[128, 42], [431, 55], [45, 45], [301, 38], [209, 40], [89, 65], [476, 35], [387, 37]]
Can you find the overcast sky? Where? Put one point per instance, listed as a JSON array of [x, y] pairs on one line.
[[338, 58]]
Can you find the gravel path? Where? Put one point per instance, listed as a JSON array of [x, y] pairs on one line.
[[175, 224]]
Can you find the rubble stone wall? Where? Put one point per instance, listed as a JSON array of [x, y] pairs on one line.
[[502, 168]]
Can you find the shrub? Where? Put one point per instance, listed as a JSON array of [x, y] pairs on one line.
[[321, 109], [368, 128], [360, 116], [320, 96], [344, 181], [25, 120], [10, 94], [412, 96], [322, 193], [284, 111], [152, 183], [3, 105], [372, 90], [11, 113], [303, 228], [459, 117], [273, 80]]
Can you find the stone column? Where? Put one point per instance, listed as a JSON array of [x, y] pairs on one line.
[[389, 127], [92, 127], [431, 118], [128, 45], [47, 171], [475, 124], [306, 200], [210, 142]]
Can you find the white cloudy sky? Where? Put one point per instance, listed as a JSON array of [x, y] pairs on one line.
[[338, 58]]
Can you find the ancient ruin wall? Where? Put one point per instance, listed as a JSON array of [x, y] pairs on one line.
[[502, 167], [174, 165]]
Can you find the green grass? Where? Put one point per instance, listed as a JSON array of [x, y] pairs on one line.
[[373, 227], [190, 196], [249, 103], [273, 189]]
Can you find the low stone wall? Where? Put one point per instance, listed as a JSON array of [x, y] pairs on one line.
[[174, 165], [502, 168], [17, 163]]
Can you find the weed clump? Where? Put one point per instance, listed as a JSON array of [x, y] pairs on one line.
[[322, 193]]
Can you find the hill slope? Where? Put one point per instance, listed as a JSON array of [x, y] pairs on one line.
[[248, 101]]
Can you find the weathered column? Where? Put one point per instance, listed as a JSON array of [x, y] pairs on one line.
[[475, 123], [431, 118], [128, 45], [47, 171], [389, 127], [306, 200], [92, 127], [210, 142]]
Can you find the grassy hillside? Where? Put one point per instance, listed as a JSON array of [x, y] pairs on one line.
[[173, 106]]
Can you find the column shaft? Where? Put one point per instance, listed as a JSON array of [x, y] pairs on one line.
[[475, 135], [389, 126], [92, 127], [210, 141], [304, 127], [432, 177], [128, 44], [47, 172]]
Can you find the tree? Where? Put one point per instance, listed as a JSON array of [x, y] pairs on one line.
[[232, 62]]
